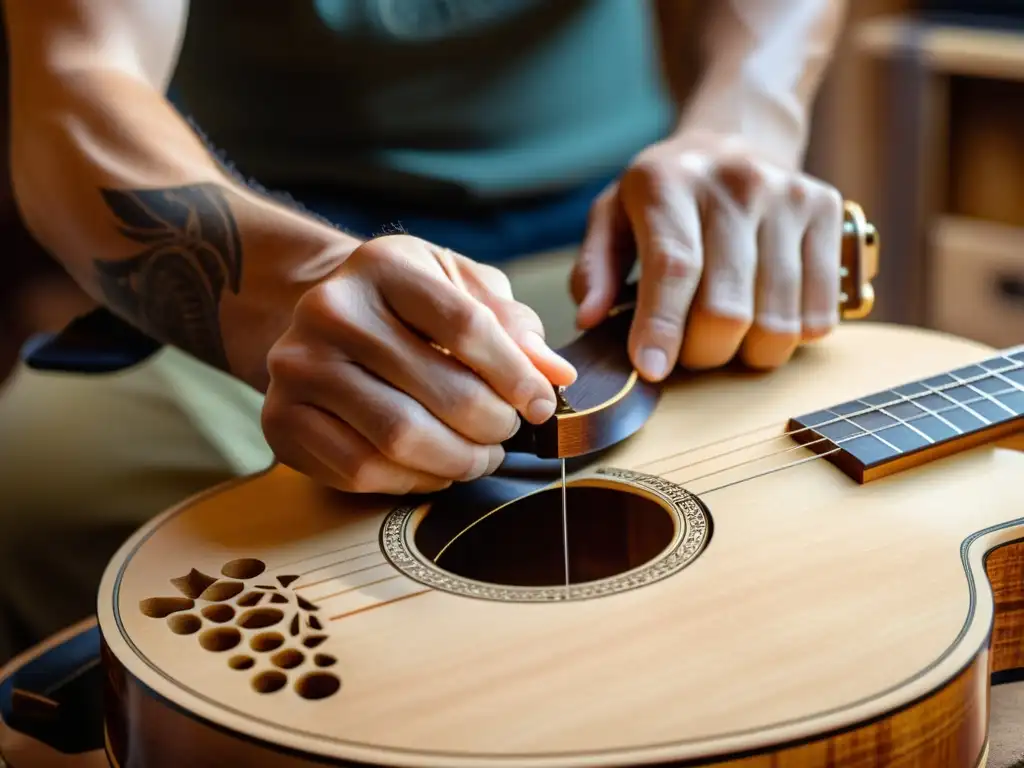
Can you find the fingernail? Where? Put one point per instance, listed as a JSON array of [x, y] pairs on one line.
[[587, 305], [540, 410], [653, 362], [478, 469], [516, 424], [497, 456], [535, 343]]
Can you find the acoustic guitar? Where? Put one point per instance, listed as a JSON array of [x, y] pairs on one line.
[[818, 566]]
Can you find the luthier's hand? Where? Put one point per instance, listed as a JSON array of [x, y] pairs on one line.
[[360, 398], [740, 253]]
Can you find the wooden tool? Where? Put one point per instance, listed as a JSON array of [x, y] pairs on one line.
[[779, 569]]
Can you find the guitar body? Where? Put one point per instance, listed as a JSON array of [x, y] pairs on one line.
[[735, 599]]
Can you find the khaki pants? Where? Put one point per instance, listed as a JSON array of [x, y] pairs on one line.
[[85, 460]]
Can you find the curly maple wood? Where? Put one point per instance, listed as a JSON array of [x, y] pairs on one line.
[[940, 725]]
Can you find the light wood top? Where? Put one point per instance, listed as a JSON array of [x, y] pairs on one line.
[[817, 602]]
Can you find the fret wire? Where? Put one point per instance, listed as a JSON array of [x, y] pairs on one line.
[[904, 398], [874, 432], [929, 411], [987, 396], [877, 436], [962, 404], [911, 400], [1005, 355], [908, 425], [1013, 388], [1016, 387], [836, 442], [881, 408]]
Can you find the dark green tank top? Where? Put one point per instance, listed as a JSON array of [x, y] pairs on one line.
[[489, 99]]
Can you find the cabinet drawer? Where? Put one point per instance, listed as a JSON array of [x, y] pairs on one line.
[[977, 280]]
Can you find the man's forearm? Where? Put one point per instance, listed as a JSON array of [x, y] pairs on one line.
[[122, 191], [763, 63]]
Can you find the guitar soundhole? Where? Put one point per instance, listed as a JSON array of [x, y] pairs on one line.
[[609, 532], [626, 530]]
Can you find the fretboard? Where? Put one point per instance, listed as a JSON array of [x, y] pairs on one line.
[[898, 428]]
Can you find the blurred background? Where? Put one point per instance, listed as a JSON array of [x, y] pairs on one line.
[[921, 120]]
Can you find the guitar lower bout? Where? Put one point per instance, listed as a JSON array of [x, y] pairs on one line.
[[735, 599]]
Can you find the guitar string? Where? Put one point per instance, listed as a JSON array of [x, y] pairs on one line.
[[1014, 388], [897, 421], [806, 460], [862, 433], [837, 442], [568, 585], [293, 563], [494, 511], [706, 492], [958, 382], [772, 471], [866, 411], [334, 564]]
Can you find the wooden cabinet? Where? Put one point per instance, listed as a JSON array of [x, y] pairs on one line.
[[976, 279], [940, 169]]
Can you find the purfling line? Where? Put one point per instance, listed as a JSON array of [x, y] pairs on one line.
[[565, 530]]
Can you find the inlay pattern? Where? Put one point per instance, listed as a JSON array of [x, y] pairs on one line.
[[692, 525], [896, 428]]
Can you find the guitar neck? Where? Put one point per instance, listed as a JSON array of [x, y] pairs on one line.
[[896, 429]]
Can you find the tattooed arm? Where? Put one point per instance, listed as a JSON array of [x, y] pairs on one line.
[[120, 189], [191, 252], [342, 336]]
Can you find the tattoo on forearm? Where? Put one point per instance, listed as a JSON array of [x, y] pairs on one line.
[[192, 252], [278, 196]]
